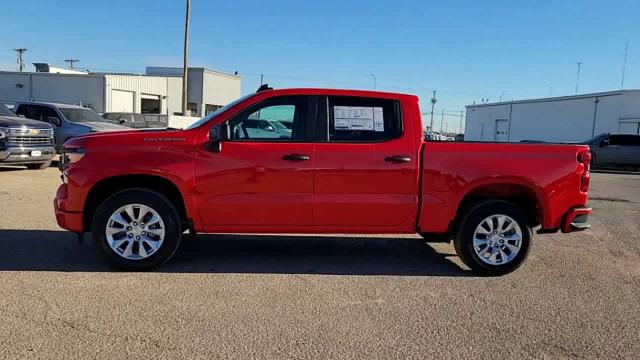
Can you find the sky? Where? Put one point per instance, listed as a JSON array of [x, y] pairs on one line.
[[465, 50]]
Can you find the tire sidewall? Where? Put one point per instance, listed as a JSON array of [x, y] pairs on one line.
[[154, 200], [464, 240]]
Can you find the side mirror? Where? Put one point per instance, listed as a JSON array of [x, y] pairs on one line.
[[53, 120], [270, 128], [217, 134], [605, 142]]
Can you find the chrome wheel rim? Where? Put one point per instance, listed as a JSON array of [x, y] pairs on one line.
[[497, 239], [135, 231]]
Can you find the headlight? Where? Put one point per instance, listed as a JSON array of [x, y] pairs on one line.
[[71, 155]]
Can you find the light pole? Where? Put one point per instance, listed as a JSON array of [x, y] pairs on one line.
[[433, 104], [374, 80], [578, 77], [20, 51], [185, 70]]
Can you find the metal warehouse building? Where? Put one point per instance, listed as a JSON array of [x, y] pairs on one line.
[[559, 119], [159, 91]]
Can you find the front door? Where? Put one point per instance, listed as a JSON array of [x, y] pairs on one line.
[[366, 167], [263, 175]]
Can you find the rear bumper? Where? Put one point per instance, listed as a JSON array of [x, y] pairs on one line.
[[576, 220], [72, 221]]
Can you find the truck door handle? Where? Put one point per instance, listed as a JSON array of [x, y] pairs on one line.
[[397, 159], [295, 157]]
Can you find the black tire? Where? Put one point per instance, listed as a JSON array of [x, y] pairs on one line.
[[472, 218], [158, 203], [39, 166]]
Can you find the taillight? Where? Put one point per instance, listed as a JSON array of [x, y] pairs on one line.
[[584, 181], [585, 159]]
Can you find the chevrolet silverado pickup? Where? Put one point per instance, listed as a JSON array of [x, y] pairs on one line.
[[353, 162], [25, 142]]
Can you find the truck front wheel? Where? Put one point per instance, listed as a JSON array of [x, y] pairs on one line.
[[494, 237], [137, 229]]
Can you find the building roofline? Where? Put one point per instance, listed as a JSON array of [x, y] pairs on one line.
[[558, 98]]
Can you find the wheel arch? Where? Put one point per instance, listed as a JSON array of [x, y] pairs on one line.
[[111, 185], [524, 195]]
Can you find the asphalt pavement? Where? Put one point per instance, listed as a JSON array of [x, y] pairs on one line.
[[304, 297]]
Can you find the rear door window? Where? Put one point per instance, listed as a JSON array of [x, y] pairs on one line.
[[362, 120]]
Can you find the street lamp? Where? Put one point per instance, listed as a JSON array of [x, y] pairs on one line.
[[433, 104], [374, 81]]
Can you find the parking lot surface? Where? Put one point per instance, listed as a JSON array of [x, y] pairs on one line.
[[298, 297]]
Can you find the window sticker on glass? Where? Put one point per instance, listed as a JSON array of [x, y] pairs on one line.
[[351, 118]]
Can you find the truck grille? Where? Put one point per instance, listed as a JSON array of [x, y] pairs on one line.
[[30, 137]]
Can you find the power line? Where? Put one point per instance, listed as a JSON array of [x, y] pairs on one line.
[[71, 62]]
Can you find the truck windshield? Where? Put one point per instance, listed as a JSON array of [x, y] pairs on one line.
[[4, 111], [205, 119], [81, 115]]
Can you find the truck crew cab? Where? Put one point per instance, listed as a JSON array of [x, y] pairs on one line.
[[353, 162]]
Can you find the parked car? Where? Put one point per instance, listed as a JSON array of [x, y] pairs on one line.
[[25, 142], [615, 150], [355, 162], [67, 120], [137, 121]]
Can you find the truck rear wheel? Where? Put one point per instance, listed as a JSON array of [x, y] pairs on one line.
[[137, 229], [494, 237]]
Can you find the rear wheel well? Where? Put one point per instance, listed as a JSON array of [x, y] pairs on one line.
[[520, 195], [107, 187]]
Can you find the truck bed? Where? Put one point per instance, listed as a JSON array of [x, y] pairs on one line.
[[546, 175]]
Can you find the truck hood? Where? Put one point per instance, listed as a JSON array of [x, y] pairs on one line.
[[104, 126], [130, 136], [16, 122]]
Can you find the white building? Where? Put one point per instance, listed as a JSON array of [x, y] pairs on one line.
[[559, 119], [151, 93]]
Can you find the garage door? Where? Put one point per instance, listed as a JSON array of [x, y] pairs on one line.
[[630, 126], [121, 101]]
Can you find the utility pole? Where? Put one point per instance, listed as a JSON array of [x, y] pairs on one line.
[[442, 121], [624, 65], [578, 77], [461, 116], [185, 69], [71, 62], [433, 104], [261, 79], [501, 95], [374, 80], [20, 51]]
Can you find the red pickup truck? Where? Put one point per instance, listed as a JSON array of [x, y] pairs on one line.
[[317, 161]]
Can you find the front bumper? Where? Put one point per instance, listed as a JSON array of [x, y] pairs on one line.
[[69, 220], [23, 154], [576, 220]]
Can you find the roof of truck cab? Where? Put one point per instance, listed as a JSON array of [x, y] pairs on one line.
[[59, 105], [338, 92]]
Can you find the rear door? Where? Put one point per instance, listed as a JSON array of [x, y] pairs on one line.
[[262, 178], [366, 166]]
